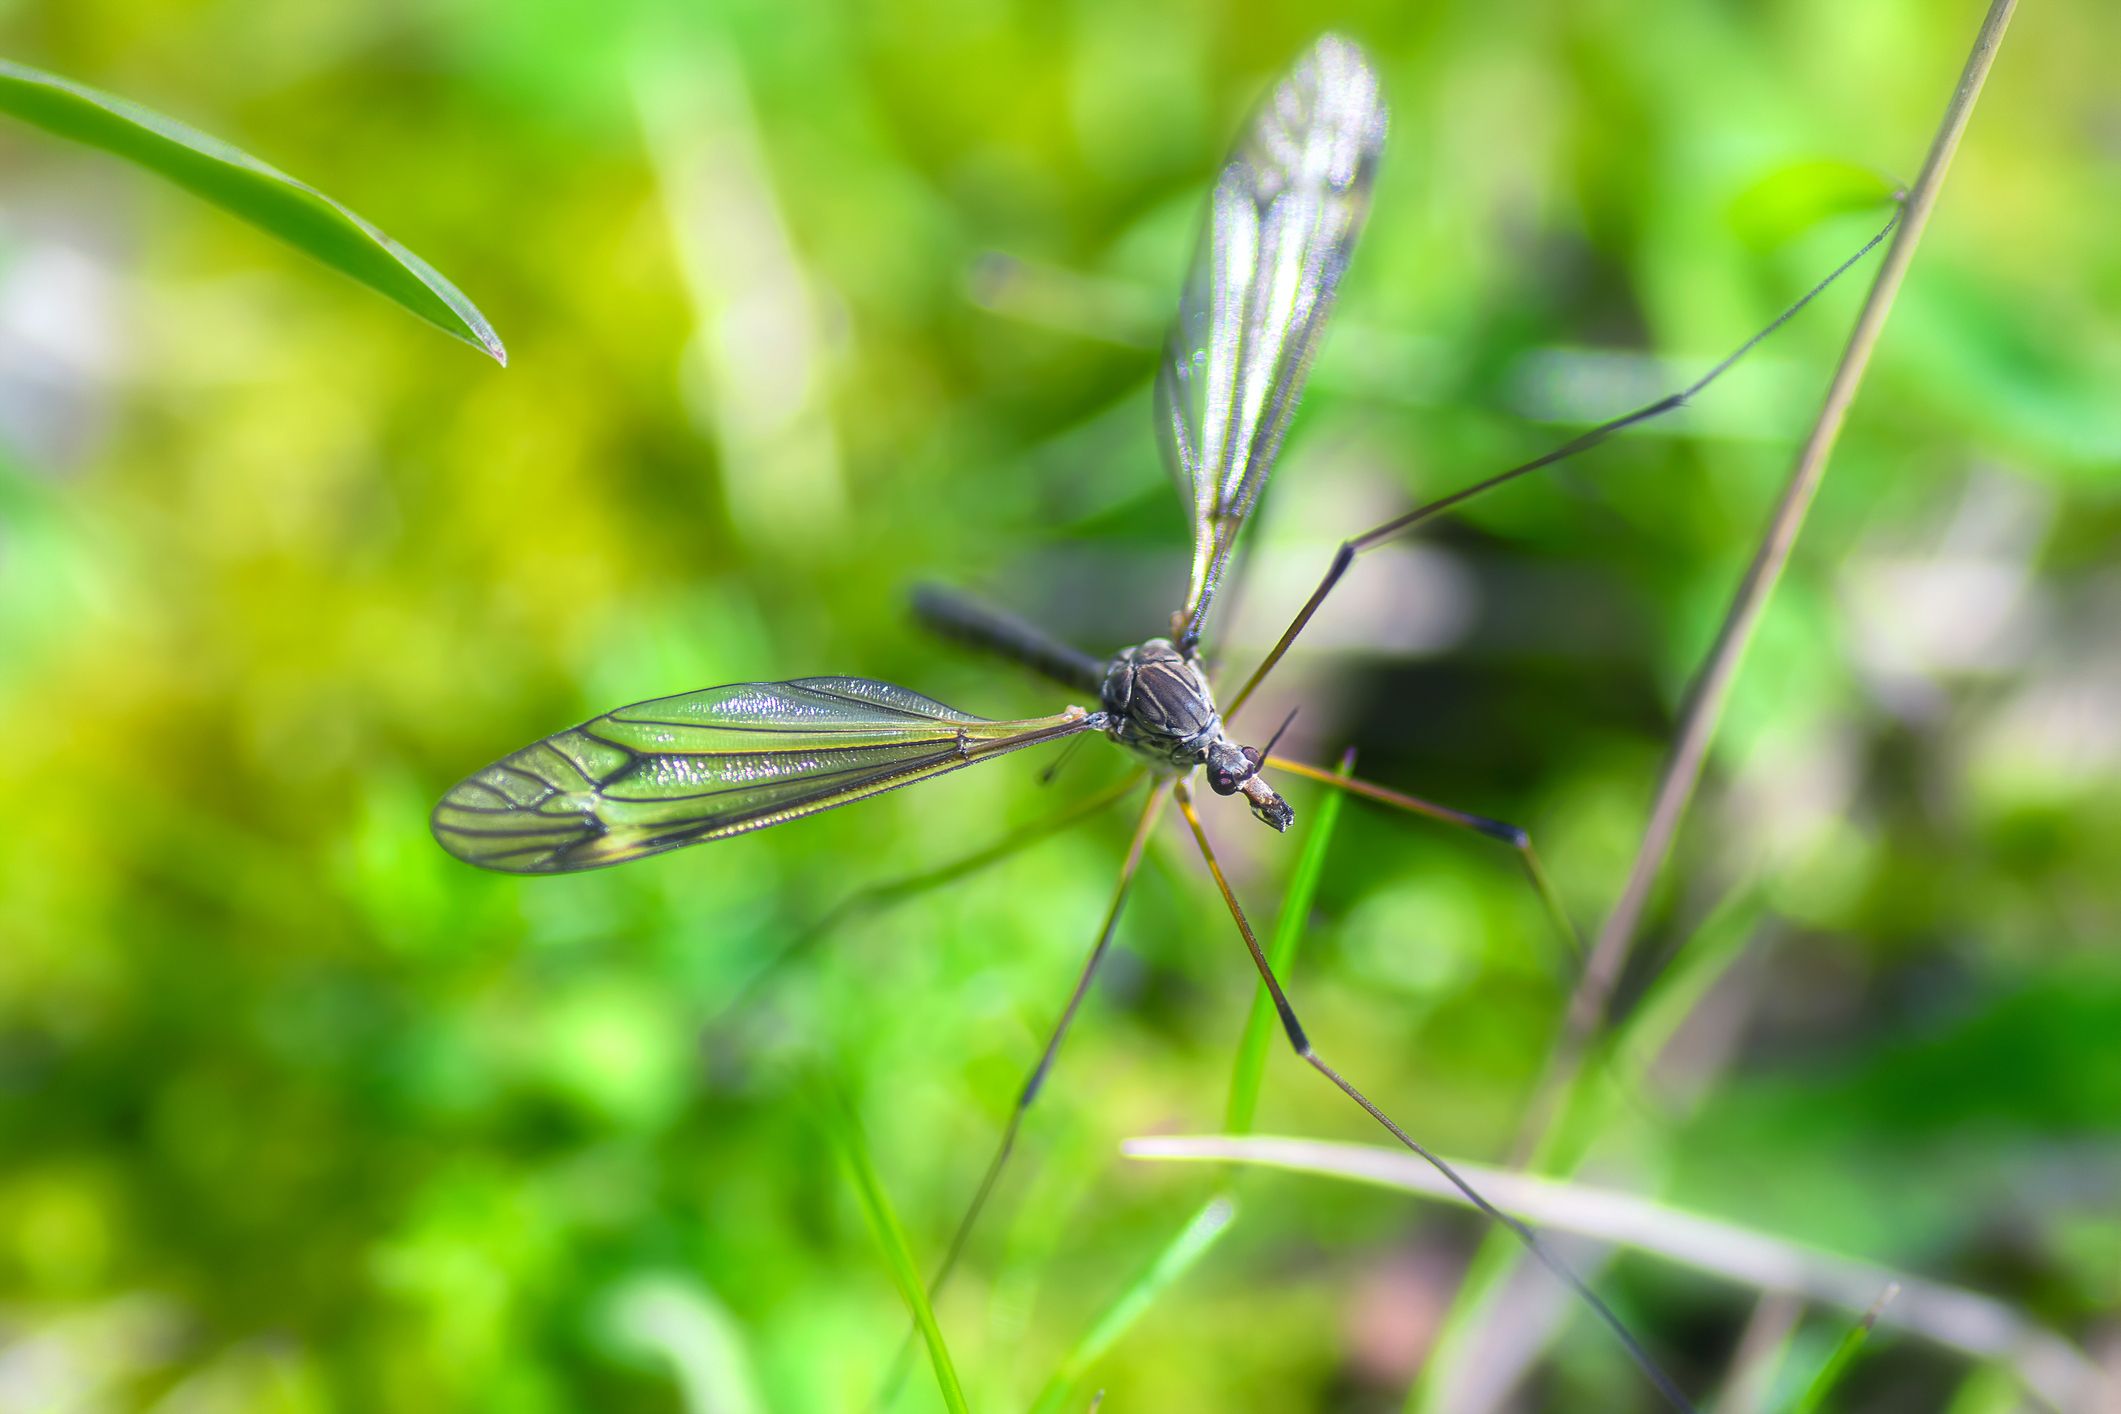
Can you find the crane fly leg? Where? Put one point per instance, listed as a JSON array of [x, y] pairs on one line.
[[875, 898], [1035, 1082], [1516, 837], [1310, 1056]]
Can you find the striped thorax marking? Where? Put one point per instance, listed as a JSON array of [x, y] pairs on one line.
[[1158, 705]]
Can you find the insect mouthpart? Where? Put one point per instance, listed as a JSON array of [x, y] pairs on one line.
[[1267, 805], [1234, 770]]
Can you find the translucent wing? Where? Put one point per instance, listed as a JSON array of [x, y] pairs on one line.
[[1281, 225], [704, 765]]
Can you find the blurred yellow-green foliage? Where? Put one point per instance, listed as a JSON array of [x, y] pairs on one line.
[[807, 303]]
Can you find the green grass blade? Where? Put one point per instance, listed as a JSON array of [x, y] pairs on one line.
[[1214, 1217], [1837, 1364], [238, 183], [846, 1131], [1593, 1105], [1251, 1064], [1192, 1243]]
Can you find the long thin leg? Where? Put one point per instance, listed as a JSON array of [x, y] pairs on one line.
[[1304, 1050], [1514, 836], [876, 897], [1391, 529], [1518, 839], [1036, 1081]]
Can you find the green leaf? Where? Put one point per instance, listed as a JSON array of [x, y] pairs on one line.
[[237, 182], [1797, 196], [1837, 1364], [679, 1323], [1281, 951], [846, 1132], [1192, 1243]]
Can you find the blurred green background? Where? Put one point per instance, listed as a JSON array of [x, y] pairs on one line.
[[806, 304]]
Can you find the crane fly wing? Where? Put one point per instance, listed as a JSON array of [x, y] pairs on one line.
[[1281, 225], [704, 765]]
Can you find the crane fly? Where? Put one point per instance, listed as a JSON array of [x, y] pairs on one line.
[[674, 771]]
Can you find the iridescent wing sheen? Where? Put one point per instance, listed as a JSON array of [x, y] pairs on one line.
[[1281, 225], [704, 765]]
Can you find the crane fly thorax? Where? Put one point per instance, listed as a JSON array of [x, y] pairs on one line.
[[1158, 705]]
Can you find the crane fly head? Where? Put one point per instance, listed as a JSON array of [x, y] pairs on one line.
[[1234, 770]]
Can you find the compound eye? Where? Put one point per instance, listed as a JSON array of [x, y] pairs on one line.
[[1255, 756], [1221, 781]]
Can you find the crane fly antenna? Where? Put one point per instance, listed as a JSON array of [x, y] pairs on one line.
[[1309, 1055], [1275, 740], [1582, 442]]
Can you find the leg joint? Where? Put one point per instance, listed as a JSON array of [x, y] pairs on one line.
[[1515, 836]]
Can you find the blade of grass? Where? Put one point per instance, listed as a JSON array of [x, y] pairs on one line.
[[1762, 1347], [1214, 1216], [1558, 1088], [1704, 710], [1177, 1258], [1837, 1364], [846, 1131], [1250, 1068], [1604, 1105], [1952, 1316], [235, 181]]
